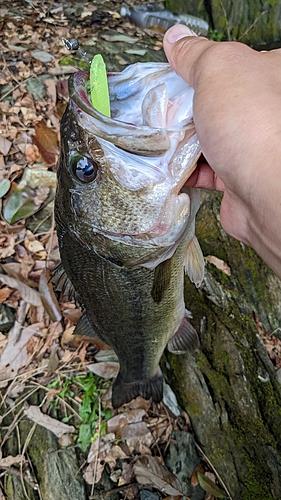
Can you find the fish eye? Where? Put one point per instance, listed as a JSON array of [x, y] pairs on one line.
[[85, 169]]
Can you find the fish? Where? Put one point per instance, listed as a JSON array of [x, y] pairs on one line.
[[126, 222]]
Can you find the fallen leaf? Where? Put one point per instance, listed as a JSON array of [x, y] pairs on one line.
[[47, 142], [119, 38], [11, 460], [14, 269], [219, 264], [21, 203], [148, 470], [5, 145], [120, 420], [209, 486], [42, 56], [7, 245], [27, 293], [34, 246], [36, 88], [32, 153], [48, 296], [136, 433], [51, 89], [4, 187], [58, 428], [136, 52], [5, 292], [15, 354], [194, 479], [99, 450], [106, 370]]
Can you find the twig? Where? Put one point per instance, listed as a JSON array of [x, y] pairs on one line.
[[252, 25], [110, 492], [226, 21], [97, 458], [214, 470]]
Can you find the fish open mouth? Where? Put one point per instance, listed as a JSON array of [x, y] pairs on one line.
[[136, 124]]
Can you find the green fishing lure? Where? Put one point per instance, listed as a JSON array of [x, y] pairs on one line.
[[99, 86]]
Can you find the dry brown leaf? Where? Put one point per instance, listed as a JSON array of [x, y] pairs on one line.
[[15, 355], [27, 293], [67, 337], [48, 296], [5, 145], [47, 142], [127, 474], [99, 450], [14, 269], [7, 245], [11, 460], [5, 292], [219, 264], [73, 314], [58, 428], [26, 265], [194, 478], [51, 89], [120, 420], [148, 470], [32, 153], [106, 370], [34, 246]]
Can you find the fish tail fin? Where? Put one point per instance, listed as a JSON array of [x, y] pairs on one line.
[[123, 392]]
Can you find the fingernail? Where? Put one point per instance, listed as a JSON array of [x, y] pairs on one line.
[[179, 31]]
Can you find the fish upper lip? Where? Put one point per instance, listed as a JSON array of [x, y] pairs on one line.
[[78, 94]]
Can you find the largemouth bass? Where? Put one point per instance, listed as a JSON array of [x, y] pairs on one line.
[[125, 223]]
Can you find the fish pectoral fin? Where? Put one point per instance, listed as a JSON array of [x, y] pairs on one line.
[[185, 339], [61, 282], [84, 327], [123, 392], [161, 281], [194, 262]]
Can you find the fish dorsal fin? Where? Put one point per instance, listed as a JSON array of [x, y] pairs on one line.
[[62, 282], [185, 339], [84, 327], [194, 262]]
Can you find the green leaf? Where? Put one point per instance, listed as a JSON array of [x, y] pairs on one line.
[[85, 435], [4, 187], [36, 88], [22, 203], [99, 86], [209, 486]]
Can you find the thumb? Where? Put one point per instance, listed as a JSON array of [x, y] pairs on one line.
[[183, 49]]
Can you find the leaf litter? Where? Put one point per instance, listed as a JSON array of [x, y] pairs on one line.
[[40, 351]]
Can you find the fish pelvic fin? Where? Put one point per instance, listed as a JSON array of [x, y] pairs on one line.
[[123, 392], [185, 339], [194, 262]]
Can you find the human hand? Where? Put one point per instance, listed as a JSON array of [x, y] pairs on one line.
[[237, 115]]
